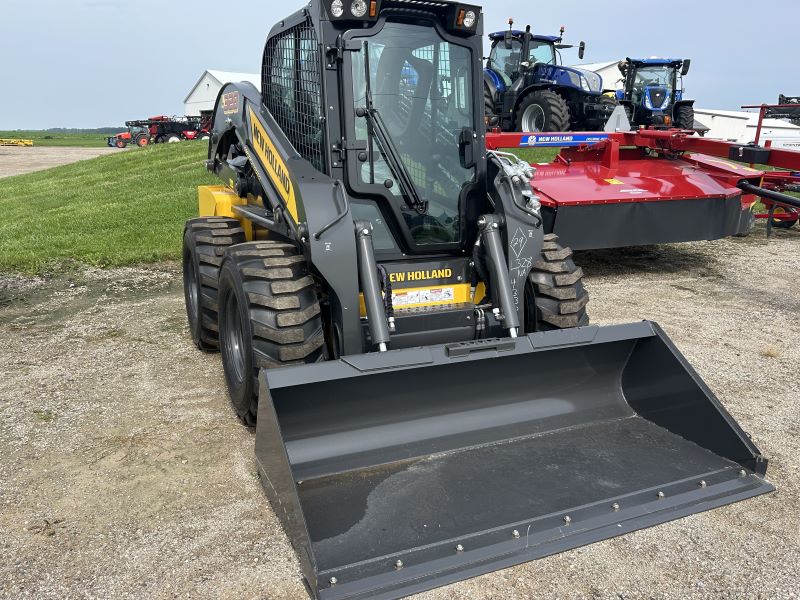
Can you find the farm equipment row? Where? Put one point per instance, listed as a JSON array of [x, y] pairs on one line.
[[442, 408], [160, 130], [608, 190], [15, 142]]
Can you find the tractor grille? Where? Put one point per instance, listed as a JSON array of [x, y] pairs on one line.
[[291, 90], [658, 96]]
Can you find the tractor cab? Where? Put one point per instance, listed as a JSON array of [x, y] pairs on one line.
[[653, 92], [527, 88]]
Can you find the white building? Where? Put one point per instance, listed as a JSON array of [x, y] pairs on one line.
[[740, 127], [204, 94]]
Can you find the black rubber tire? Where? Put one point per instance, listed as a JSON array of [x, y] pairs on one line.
[[269, 317], [204, 242], [784, 223], [488, 107], [684, 116], [556, 111], [608, 101], [556, 285]]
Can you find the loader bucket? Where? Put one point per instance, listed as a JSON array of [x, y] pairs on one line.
[[397, 472]]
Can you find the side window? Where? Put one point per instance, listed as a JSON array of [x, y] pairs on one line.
[[505, 61], [292, 92]]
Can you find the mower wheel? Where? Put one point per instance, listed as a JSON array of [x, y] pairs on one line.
[[556, 286], [121, 144], [142, 141], [269, 316], [785, 223], [543, 110], [204, 243], [684, 117], [173, 138]]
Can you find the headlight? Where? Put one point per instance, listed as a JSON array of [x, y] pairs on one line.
[[358, 8], [469, 19], [337, 8]]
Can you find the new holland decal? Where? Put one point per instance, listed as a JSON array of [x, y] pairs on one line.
[[403, 277], [276, 168]]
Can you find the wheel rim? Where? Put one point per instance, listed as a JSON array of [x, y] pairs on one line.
[[233, 339], [533, 119], [190, 283]]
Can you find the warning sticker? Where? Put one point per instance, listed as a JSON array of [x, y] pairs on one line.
[[423, 297], [615, 182]]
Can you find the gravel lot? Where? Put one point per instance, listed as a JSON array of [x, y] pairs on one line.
[[16, 161], [124, 474]]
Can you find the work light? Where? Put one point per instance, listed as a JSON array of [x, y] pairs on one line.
[[337, 8], [469, 19], [358, 8]]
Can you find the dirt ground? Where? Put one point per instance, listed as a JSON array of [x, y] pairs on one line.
[[124, 473], [16, 161]]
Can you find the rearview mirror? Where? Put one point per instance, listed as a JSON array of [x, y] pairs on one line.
[[466, 148], [685, 69], [581, 50]]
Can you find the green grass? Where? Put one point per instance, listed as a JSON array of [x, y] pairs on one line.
[[536, 155], [124, 208], [44, 138]]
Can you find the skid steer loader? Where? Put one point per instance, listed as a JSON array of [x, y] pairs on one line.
[[442, 407]]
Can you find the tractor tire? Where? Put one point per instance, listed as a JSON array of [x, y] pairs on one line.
[[204, 243], [269, 317], [488, 108], [542, 111], [556, 286], [142, 141], [684, 117], [611, 102]]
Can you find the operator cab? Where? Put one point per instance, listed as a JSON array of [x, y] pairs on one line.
[[506, 57]]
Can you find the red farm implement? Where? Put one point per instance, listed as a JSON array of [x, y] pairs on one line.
[[609, 190]]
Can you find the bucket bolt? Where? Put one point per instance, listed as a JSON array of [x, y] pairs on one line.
[[515, 534], [333, 581], [567, 519], [398, 565], [742, 473], [703, 483], [615, 507], [459, 548], [660, 494]]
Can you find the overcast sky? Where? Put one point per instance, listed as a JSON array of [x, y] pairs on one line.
[[92, 63]]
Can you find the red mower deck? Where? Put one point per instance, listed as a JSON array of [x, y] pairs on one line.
[[641, 188]]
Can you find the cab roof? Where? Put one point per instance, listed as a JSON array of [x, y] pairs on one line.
[[499, 35], [656, 62]]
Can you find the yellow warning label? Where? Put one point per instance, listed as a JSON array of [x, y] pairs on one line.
[[276, 169], [615, 182]]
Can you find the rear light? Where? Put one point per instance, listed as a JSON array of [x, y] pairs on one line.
[[460, 19], [373, 9], [667, 120]]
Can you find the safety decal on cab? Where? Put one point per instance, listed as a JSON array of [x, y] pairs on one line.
[[230, 103], [416, 297]]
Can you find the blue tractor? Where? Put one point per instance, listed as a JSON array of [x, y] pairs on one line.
[[653, 92], [527, 89]]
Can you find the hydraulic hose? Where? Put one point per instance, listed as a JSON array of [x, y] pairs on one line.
[[778, 198]]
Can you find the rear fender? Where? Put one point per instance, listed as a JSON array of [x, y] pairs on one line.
[[684, 103]]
